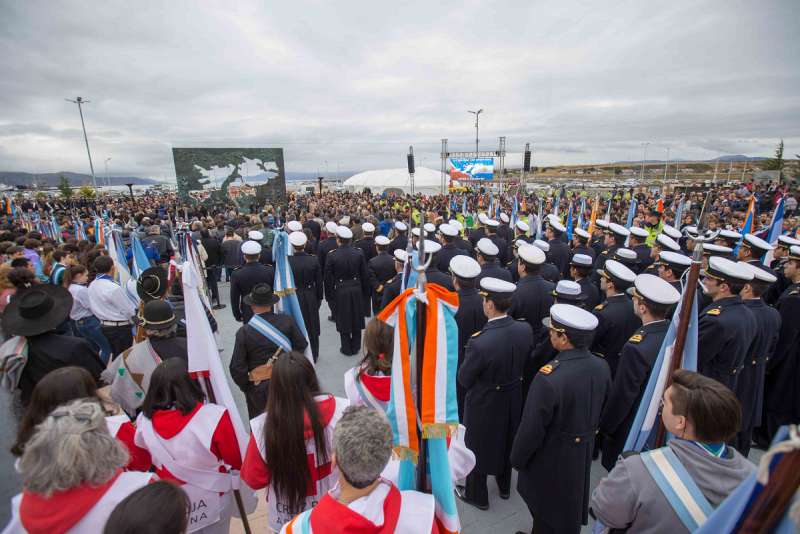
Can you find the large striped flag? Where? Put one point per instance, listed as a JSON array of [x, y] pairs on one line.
[[608, 211], [593, 216], [569, 222], [679, 213], [140, 260], [631, 212], [775, 230], [285, 287], [646, 419], [581, 221], [747, 228]]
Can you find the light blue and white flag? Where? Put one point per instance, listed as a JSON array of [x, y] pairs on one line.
[[285, 287], [775, 230], [140, 261], [539, 220], [631, 212], [679, 213], [581, 222], [569, 222]]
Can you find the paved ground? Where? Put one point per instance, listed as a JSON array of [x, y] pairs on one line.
[[503, 516]]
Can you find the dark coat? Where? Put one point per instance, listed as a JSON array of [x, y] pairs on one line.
[[443, 257], [782, 394], [590, 292], [550, 272], [494, 269], [435, 276], [643, 256], [251, 349], [635, 364], [347, 285], [476, 235], [50, 351], [470, 319], [171, 347], [502, 246], [559, 255], [494, 360], [512, 270], [308, 281], [584, 249], [324, 247], [750, 386], [617, 323], [380, 270], [399, 242], [391, 289], [232, 253], [242, 281], [367, 246], [726, 331], [553, 447], [531, 302]]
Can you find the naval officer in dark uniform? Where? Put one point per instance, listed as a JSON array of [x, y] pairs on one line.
[[638, 243], [323, 249], [617, 320], [432, 273], [308, 283], [559, 252], [380, 270], [614, 236], [394, 286], [367, 247], [252, 350], [494, 361], [490, 264], [449, 250], [346, 283], [534, 295], [580, 243], [245, 278], [580, 269], [652, 297], [670, 268], [400, 240], [553, 447], [469, 317], [750, 386], [726, 327]]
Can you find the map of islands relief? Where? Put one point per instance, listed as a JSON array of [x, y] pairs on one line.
[[244, 175]]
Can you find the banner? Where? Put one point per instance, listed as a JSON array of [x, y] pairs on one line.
[[471, 169]]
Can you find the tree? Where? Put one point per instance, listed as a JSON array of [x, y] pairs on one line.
[[87, 192], [776, 163], [64, 187]]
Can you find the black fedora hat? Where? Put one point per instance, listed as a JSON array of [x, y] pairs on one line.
[[152, 284], [157, 315], [261, 295], [37, 310]]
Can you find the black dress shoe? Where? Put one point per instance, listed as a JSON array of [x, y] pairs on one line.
[[505, 496], [218, 307], [331, 319], [462, 495]]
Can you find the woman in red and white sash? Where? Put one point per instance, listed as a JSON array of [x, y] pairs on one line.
[[363, 502], [369, 384], [72, 474], [66, 384], [192, 443], [289, 449]]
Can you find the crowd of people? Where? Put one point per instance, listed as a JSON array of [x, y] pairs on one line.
[[560, 321]]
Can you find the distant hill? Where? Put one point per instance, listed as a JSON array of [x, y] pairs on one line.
[[739, 157], [75, 179], [734, 158]]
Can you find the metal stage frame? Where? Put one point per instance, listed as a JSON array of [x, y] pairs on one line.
[[500, 154]]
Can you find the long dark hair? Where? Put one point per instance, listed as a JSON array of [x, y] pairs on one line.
[[291, 396], [54, 389], [171, 388], [378, 347]]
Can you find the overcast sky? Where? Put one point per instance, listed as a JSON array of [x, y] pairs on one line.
[[355, 83]]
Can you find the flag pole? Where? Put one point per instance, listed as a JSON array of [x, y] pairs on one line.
[[770, 505], [422, 462], [687, 303]]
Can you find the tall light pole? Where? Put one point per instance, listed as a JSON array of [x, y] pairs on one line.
[[80, 101], [666, 165], [644, 157], [108, 182], [477, 118]]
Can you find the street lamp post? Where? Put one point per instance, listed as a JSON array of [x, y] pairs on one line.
[[644, 157], [477, 117], [80, 101], [108, 181]]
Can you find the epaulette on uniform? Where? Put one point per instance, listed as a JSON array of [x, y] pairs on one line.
[[549, 368], [600, 306], [636, 338], [714, 311], [476, 334]]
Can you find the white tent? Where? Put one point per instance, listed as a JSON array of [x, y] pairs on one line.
[[426, 181]]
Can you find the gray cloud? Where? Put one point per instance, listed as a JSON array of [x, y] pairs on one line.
[[355, 83]]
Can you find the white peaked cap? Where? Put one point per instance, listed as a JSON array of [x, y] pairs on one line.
[[504, 217], [382, 240], [724, 268], [487, 246], [639, 232], [583, 233], [568, 288], [483, 218], [494, 286], [674, 258], [619, 229], [298, 239], [294, 226], [465, 267], [368, 227], [571, 317], [344, 232], [756, 242], [400, 255], [542, 244], [583, 260], [666, 242], [448, 229], [760, 274], [331, 227], [522, 226], [671, 231], [251, 248], [531, 254], [255, 235], [618, 270], [656, 289], [455, 223], [400, 225], [431, 247], [493, 223], [429, 227]]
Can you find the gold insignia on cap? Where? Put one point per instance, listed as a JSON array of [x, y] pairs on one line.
[[714, 311]]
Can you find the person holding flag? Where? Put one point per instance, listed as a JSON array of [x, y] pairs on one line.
[[258, 343], [308, 281], [652, 299], [640, 494], [553, 447]]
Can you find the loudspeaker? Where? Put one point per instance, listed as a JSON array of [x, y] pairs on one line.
[[410, 160], [526, 166]]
